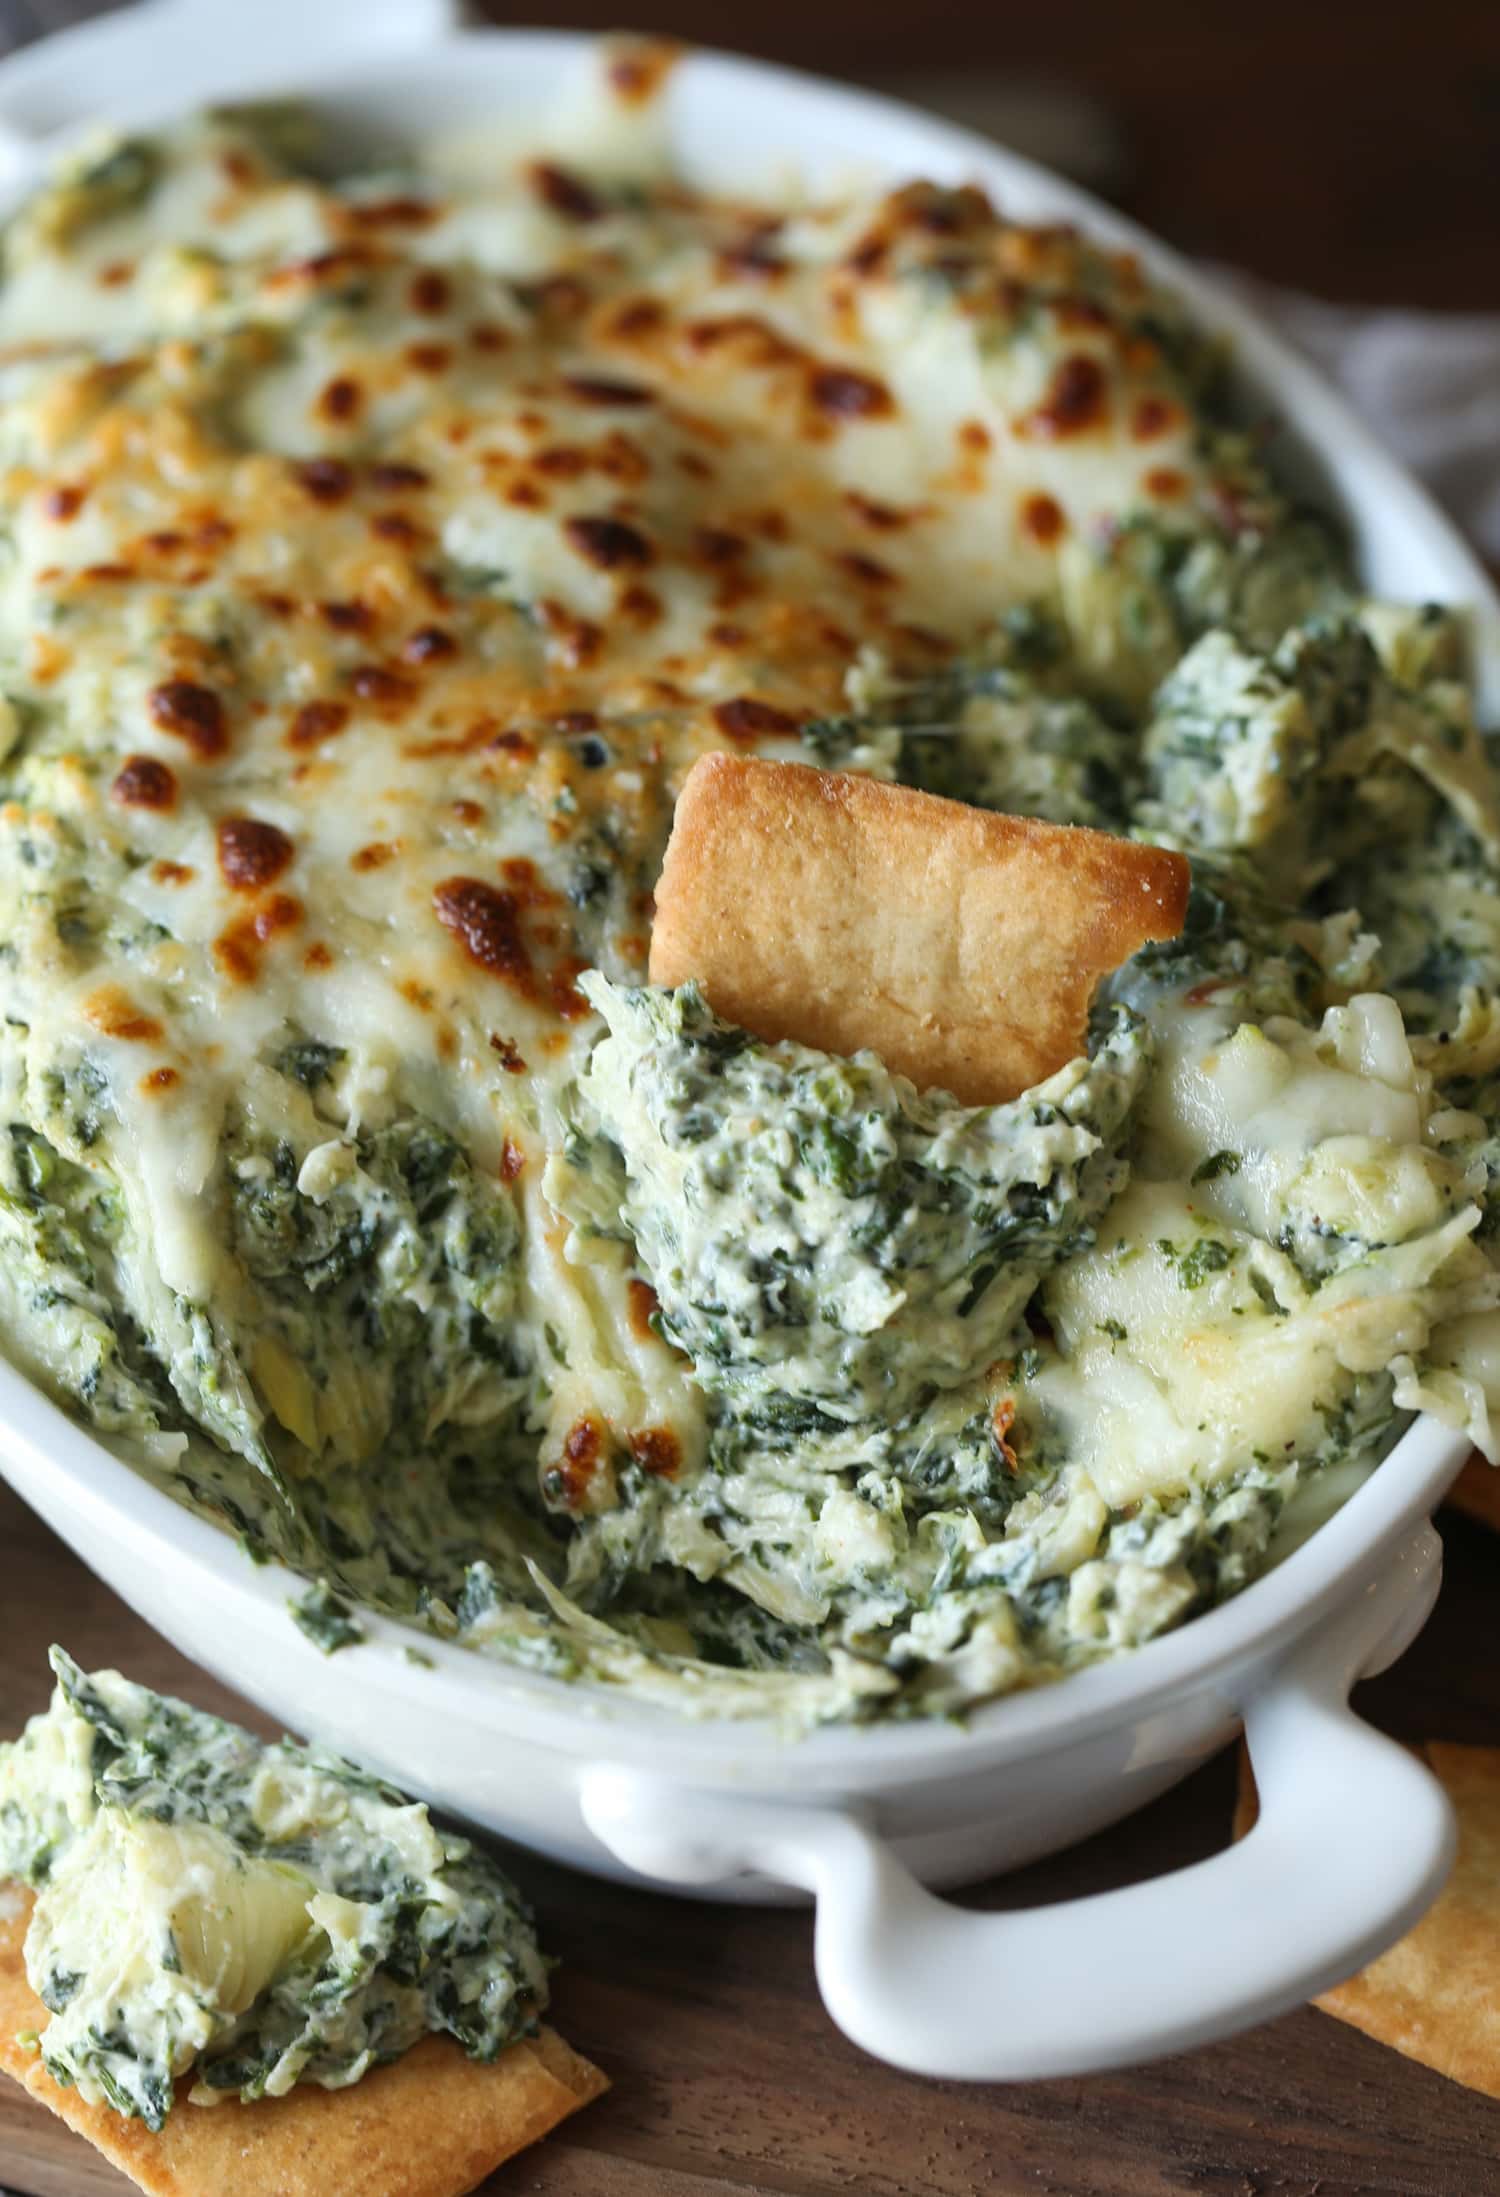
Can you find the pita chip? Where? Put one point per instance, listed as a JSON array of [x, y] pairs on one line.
[[962, 946], [432, 2124]]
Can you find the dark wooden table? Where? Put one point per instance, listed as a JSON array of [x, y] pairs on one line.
[[731, 2082], [1355, 151], [1350, 148]]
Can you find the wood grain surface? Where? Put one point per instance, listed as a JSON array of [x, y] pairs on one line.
[[731, 2082]]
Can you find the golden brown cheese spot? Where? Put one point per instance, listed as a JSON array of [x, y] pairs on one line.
[[885, 518], [487, 924], [323, 268], [843, 394], [429, 645], [562, 462], [746, 719], [555, 298], [394, 213], [717, 546], [578, 640], [1165, 483], [191, 713], [429, 358], [172, 873], [508, 1054], [315, 722], [642, 1304], [568, 1482], [239, 167], [318, 956], [159, 1081], [562, 192], [864, 571], [608, 543], [1042, 518], [391, 479], [386, 689], [512, 1160], [657, 1451], [347, 617], [636, 72], [563, 994], [238, 949], [252, 853], [754, 257], [113, 1013], [428, 291], [1077, 400], [635, 320], [604, 390], [640, 607], [342, 399], [932, 209], [755, 342], [64, 503], [144, 782], [210, 531], [394, 526], [1081, 314], [374, 857], [1152, 417], [326, 480], [522, 875]]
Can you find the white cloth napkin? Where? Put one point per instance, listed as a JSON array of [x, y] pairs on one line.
[[1428, 383]]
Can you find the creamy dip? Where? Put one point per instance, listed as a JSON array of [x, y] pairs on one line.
[[382, 546]]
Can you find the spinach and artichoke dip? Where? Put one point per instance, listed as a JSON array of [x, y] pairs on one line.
[[384, 539], [255, 1914]]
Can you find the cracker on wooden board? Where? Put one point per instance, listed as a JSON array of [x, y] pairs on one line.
[[432, 2124], [962, 946], [1476, 1492], [1435, 1995]]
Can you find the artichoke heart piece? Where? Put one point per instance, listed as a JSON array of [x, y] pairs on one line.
[[255, 1914]]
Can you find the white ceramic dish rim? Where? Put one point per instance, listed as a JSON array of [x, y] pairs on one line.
[[905, 1975]]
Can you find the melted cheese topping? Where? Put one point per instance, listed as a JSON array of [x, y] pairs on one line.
[[382, 555]]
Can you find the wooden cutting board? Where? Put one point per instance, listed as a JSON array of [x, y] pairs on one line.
[[731, 2082]]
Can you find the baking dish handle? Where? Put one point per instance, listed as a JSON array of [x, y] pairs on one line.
[[1353, 1841]]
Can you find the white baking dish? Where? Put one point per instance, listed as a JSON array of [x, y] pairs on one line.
[[1354, 1837]]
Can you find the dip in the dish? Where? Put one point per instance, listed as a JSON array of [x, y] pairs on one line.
[[382, 547]]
